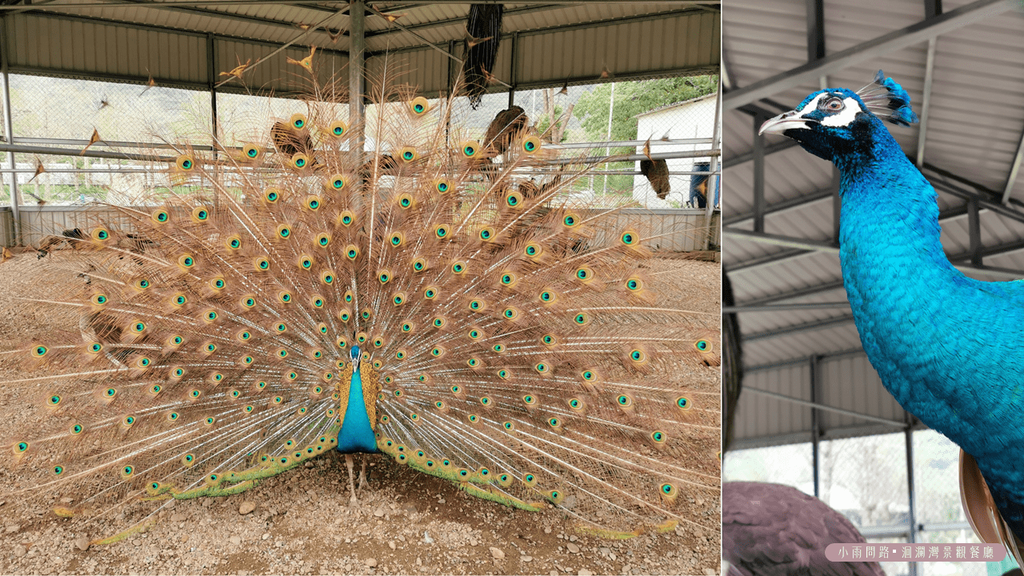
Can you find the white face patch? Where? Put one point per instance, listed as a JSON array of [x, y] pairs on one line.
[[845, 117], [850, 110]]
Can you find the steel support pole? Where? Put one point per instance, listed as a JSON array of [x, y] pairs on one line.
[[356, 73], [713, 181], [909, 439], [759, 204], [211, 80], [514, 80], [815, 421], [9, 131]]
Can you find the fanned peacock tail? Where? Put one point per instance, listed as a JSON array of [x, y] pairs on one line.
[[506, 341]]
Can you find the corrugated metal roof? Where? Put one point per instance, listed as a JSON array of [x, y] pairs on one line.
[[590, 42], [975, 125]]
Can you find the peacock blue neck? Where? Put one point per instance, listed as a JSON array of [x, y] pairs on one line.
[[356, 434], [918, 317]]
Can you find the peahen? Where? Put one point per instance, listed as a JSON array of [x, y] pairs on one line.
[[946, 346], [777, 530], [293, 297]]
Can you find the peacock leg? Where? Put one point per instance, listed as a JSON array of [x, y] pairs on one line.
[[351, 484], [362, 474]]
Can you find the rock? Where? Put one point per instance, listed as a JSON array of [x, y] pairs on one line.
[[379, 513], [265, 536], [526, 558], [12, 528], [584, 572], [391, 544], [709, 572], [177, 517], [235, 540], [497, 554], [426, 537], [410, 508], [573, 548], [82, 543], [246, 507], [547, 529], [370, 562], [19, 551]]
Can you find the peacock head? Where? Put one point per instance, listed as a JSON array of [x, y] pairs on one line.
[[355, 356], [836, 122]]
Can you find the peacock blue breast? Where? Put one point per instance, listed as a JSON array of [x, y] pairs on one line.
[[356, 434]]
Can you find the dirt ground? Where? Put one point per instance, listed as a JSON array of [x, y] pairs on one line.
[[301, 523]]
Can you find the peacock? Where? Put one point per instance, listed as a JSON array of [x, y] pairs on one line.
[[946, 346], [292, 295]]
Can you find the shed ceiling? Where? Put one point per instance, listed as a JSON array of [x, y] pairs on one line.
[[189, 43]]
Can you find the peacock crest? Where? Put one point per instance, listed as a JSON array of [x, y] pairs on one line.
[[286, 285]]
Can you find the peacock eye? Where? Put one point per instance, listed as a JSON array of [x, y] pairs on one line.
[[833, 105]]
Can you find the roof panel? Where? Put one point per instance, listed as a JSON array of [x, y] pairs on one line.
[[626, 48]]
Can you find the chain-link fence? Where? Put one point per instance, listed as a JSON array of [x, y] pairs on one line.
[[114, 136], [122, 139]]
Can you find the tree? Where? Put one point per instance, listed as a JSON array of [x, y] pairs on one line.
[[631, 99]]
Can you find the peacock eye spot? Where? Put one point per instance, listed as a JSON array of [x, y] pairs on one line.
[[833, 104]]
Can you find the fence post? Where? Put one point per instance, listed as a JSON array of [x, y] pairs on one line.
[[9, 131]]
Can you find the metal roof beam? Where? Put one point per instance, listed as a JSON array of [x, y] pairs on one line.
[[784, 307], [864, 51], [960, 261], [820, 406], [461, 20], [181, 8], [171, 30], [932, 8], [218, 15], [773, 259], [747, 157], [789, 255], [798, 328], [784, 206], [1011, 179], [815, 30], [926, 101], [1005, 273], [779, 240], [562, 28]]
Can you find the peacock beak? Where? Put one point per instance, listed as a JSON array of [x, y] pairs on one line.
[[782, 122]]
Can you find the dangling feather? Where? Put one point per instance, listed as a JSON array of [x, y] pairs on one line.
[[656, 172], [483, 28]]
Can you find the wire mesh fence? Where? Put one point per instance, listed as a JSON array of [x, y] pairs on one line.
[[81, 142]]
